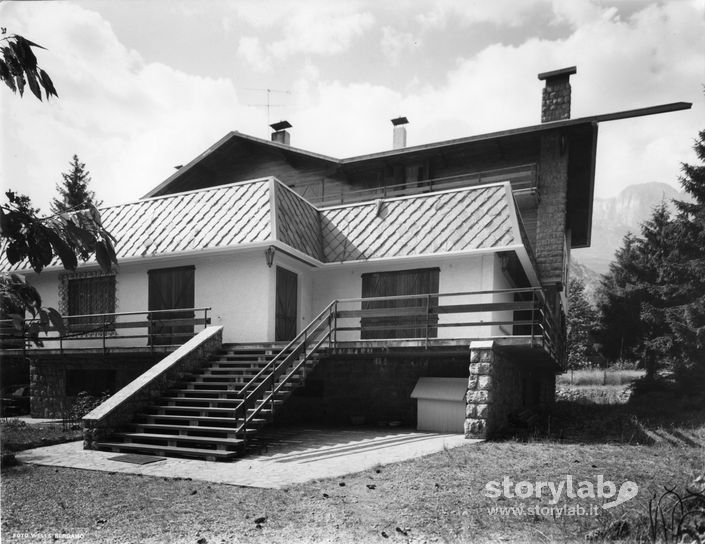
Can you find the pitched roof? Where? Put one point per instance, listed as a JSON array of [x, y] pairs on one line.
[[420, 225], [267, 212]]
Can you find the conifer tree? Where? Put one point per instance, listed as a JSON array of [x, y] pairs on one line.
[[687, 315], [582, 321], [74, 193], [653, 298]]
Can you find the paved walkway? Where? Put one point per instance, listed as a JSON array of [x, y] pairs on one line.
[[292, 456]]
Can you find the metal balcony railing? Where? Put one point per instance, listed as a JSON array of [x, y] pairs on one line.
[[522, 177], [106, 330]]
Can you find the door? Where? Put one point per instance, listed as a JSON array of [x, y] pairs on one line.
[[171, 288], [411, 320], [286, 305]]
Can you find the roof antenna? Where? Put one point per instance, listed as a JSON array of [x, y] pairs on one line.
[[268, 106]]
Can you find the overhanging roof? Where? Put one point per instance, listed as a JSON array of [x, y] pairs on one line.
[[533, 129]]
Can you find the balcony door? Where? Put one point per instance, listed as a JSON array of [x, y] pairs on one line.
[[171, 288]]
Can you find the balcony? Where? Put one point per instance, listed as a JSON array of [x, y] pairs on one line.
[[522, 177], [513, 318], [145, 331]]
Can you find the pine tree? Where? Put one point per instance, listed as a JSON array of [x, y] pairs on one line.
[[73, 191], [687, 314], [619, 304], [582, 321]]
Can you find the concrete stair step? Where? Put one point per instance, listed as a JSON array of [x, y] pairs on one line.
[[209, 455], [235, 401], [130, 438], [197, 409], [146, 427], [153, 418], [220, 392]]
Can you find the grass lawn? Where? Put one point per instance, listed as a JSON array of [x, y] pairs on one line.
[[16, 435], [438, 498]]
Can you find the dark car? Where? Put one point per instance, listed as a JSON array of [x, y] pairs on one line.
[[15, 400]]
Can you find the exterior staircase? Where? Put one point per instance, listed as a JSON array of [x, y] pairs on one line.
[[211, 414]]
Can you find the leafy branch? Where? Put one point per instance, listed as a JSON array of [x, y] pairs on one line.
[[18, 67]]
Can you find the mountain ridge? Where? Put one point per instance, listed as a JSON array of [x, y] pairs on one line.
[[616, 216]]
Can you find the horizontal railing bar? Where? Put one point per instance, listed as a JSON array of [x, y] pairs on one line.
[[117, 314], [517, 175], [527, 290], [420, 311]]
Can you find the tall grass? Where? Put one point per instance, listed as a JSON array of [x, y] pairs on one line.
[[592, 377]]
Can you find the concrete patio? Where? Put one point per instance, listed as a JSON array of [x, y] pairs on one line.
[[288, 456]]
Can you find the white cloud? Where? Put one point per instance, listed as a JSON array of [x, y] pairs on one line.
[[251, 51], [132, 120], [129, 120], [310, 28], [394, 43], [438, 13]]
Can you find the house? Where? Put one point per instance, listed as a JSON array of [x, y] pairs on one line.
[[339, 282]]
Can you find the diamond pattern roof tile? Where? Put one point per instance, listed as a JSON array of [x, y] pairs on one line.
[[232, 215]]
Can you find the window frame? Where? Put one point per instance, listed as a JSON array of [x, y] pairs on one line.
[[86, 327]]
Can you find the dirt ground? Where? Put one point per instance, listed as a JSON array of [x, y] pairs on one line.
[[439, 498]]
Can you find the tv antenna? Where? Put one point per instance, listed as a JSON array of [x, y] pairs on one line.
[[268, 106]]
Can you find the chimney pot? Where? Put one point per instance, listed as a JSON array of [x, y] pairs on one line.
[[280, 134], [555, 102], [399, 140]]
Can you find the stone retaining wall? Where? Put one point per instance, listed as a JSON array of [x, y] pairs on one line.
[[50, 397], [120, 409], [502, 384]]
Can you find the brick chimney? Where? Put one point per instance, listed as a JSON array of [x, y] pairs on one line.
[[399, 132], [555, 103], [280, 134]]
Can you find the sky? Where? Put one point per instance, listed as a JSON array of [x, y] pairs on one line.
[[145, 86]]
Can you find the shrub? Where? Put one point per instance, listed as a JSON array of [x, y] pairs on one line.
[[84, 403]]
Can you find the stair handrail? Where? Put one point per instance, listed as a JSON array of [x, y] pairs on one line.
[[273, 369]]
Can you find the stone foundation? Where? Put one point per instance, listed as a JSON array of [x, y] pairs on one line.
[[51, 393], [502, 384]]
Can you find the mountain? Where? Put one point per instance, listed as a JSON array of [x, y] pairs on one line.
[[590, 279], [614, 217]]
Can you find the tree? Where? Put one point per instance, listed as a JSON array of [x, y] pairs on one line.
[[73, 191], [27, 236], [653, 298], [18, 67], [582, 322], [686, 317], [620, 329], [636, 294]]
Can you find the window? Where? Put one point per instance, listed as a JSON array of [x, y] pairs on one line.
[[401, 318], [90, 295]]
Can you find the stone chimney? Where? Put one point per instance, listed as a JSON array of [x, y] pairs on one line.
[[399, 132], [280, 134], [555, 103]]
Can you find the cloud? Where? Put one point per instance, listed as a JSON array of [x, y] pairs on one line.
[[251, 51], [394, 43], [129, 120], [439, 13], [310, 28]]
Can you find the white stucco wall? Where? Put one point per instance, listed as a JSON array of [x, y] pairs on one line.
[[457, 274], [241, 291], [236, 287]]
